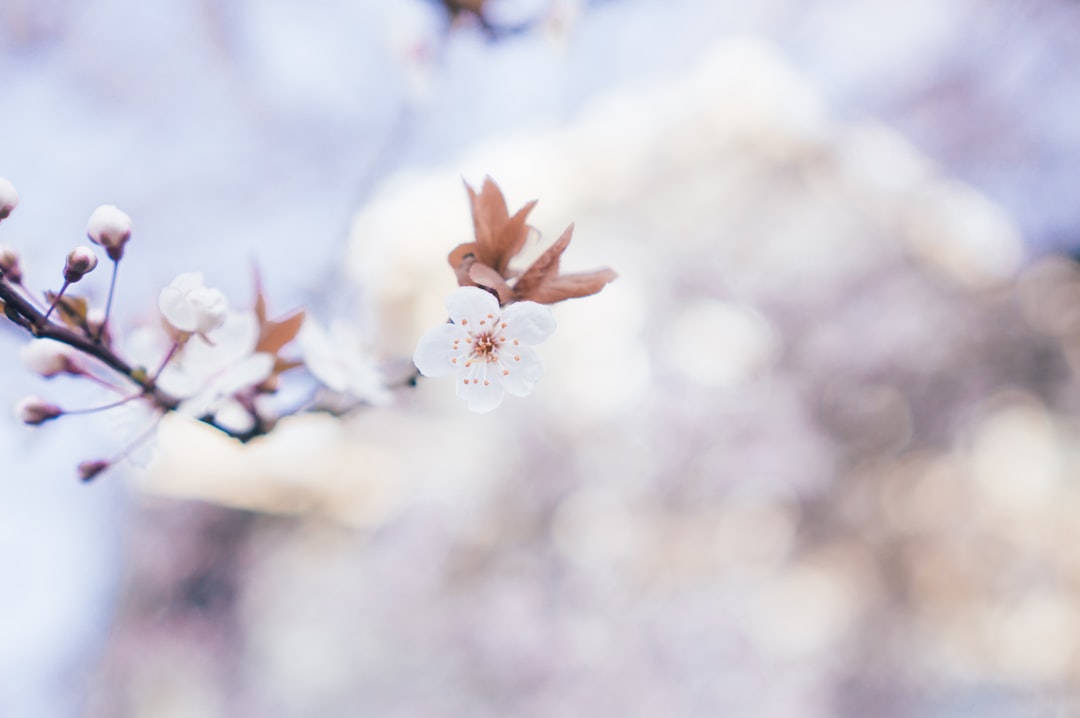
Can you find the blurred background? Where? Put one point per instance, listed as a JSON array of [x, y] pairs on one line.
[[814, 453]]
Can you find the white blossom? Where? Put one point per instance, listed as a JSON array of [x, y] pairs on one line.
[[111, 228], [9, 198], [487, 348], [210, 376], [339, 360], [189, 306], [47, 358]]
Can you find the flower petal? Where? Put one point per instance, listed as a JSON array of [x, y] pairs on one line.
[[232, 416], [471, 304], [521, 373], [435, 350], [248, 372], [529, 322], [176, 310], [483, 392], [232, 341]]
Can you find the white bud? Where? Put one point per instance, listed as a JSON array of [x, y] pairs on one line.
[[190, 307], [80, 262], [111, 228], [47, 358], [10, 265], [9, 198], [35, 411]]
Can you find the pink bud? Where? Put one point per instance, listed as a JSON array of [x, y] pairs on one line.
[[9, 264], [47, 358], [88, 470], [110, 228], [80, 262], [35, 411]]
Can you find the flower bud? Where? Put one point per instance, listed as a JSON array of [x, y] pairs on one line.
[[10, 265], [191, 307], [88, 470], [80, 262], [9, 198], [35, 411], [110, 228], [47, 358]]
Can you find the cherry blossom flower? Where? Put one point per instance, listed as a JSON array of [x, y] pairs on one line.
[[213, 378], [188, 306], [339, 360], [488, 348], [211, 375], [111, 228]]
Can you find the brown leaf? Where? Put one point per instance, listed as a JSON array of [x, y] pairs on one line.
[[260, 295], [461, 254], [547, 264], [273, 335], [542, 283], [485, 277], [511, 239], [72, 310], [571, 286], [499, 237], [457, 6], [489, 215]]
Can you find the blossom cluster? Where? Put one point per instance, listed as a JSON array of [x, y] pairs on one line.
[[223, 365], [498, 314]]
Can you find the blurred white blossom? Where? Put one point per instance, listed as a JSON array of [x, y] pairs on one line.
[[9, 198], [189, 306], [338, 358], [210, 376]]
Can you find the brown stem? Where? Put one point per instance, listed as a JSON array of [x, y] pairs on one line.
[[21, 311], [56, 299]]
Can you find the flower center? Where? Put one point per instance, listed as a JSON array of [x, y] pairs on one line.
[[486, 346]]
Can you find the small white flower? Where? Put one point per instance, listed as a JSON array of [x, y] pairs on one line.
[[191, 307], [9, 198], [208, 376], [111, 228], [338, 359], [47, 358], [486, 347]]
